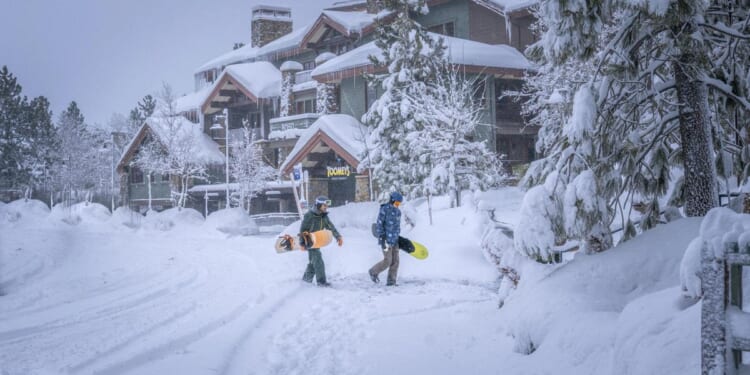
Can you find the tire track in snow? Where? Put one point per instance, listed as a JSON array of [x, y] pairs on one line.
[[101, 312], [230, 363], [148, 353]]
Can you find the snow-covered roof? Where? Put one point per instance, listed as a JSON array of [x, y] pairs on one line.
[[291, 65], [288, 41], [345, 130], [204, 148], [460, 51], [244, 53], [513, 5], [193, 100], [261, 78], [233, 186], [248, 53], [353, 22]]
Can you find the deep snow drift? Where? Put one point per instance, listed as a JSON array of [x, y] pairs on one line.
[[89, 292]]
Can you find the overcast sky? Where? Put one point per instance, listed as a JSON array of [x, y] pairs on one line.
[[107, 54]]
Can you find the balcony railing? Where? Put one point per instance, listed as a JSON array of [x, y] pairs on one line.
[[303, 76], [301, 121]]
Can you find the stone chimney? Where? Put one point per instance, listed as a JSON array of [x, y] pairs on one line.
[[269, 23], [375, 6]]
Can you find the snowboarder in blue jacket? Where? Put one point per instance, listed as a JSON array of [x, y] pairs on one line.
[[388, 228]]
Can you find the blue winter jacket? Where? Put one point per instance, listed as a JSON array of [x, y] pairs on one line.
[[389, 223]]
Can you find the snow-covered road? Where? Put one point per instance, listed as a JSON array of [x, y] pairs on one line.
[[94, 299]]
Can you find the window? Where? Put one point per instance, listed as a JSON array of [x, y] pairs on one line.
[[507, 106], [136, 175], [478, 92], [309, 65], [370, 96], [305, 106], [444, 29]]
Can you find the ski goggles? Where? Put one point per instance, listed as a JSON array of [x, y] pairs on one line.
[[326, 202], [397, 203]]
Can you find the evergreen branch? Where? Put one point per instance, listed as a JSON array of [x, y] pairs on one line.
[[725, 30]]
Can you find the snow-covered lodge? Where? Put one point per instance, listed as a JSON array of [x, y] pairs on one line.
[[302, 92]]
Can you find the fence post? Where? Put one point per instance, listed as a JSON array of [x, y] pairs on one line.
[[713, 313]]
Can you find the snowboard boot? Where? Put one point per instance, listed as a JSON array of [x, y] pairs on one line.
[[374, 278], [325, 284]]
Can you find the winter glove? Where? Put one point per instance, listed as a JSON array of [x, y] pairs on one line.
[[340, 241], [381, 242]]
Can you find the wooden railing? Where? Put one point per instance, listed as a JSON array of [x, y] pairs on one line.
[[275, 218], [724, 325]]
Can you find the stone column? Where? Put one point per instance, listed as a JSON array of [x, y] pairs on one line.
[[289, 70]]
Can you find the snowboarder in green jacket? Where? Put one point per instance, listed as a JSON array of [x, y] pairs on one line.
[[317, 219]]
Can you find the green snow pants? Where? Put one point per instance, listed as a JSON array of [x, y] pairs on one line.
[[315, 267]]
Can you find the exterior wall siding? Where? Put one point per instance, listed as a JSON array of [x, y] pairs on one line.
[[353, 97], [159, 190], [453, 11], [486, 26]]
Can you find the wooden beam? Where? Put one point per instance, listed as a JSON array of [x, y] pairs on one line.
[[318, 156], [223, 92], [220, 105]]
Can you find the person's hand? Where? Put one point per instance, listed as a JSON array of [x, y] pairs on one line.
[[381, 242], [341, 241]]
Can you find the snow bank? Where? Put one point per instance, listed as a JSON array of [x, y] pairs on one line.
[[124, 216], [234, 222], [185, 218], [580, 306], [22, 209]]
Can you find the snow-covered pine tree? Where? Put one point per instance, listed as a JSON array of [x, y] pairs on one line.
[[729, 87], [653, 70], [143, 110], [411, 59], [247, 167], [79, 153], [12, 139], [44, 145], [325, 101], [446, 146]]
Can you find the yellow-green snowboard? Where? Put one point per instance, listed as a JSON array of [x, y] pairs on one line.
[[413, 248]]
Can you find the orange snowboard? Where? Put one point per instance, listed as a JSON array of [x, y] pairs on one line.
[[305, 240]]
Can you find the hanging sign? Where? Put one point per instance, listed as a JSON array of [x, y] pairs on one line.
[[297, 172], [339, 171]]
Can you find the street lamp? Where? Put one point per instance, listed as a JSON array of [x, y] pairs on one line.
[[218, 126]]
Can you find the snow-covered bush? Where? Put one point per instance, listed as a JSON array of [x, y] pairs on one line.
[[721, 230], [127, 217], [23, 209], [167, 219], [541, 225], [233, 221]]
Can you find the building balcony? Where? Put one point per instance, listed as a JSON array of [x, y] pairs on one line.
[[291, 126], [303, 76]]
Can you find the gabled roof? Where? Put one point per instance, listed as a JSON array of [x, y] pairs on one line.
[[349, 24], [474, 56], [342, 133], [255, 80], [179, 130]]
